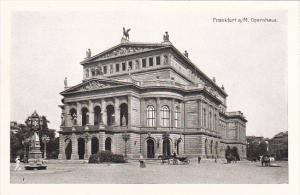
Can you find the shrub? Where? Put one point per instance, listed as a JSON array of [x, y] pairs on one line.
[[106, 156]]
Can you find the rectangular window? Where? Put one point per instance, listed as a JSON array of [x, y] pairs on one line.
[[117, 67], [104, 69], [123, 66], [144, 63], [157, 60], [111, 69], [150, 61], [130, 65]]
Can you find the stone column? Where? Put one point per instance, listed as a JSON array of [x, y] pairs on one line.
[[172, 114], [67, 116], [88, 146], [143, 115], [104, 112], [157, 112], [129, 101], [101, 138], [74, 155], [201, 113], [117, 112], [62, 147], [91, 113], [198, 113], [213, 118], [79, 114]]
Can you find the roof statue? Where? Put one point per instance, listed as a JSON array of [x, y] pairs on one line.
[[66, 82], [166, 37], [126, 33], [186, 54], [88, 53]]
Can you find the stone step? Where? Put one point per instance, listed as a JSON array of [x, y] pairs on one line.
[[56, 161]]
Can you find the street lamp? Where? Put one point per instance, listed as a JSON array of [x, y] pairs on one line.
[[45, 140], [267, 143]]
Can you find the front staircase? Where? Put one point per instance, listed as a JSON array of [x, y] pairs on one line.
[[56, 161]]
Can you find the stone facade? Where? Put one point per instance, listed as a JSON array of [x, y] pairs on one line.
[[154, 96]]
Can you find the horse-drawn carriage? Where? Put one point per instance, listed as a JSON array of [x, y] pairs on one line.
[[265, 159], [173, 159]]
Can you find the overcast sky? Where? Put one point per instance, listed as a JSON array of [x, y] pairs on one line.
[[249, 59]]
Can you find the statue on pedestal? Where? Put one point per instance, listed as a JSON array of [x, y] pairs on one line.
[[35, 123], [123, 120]]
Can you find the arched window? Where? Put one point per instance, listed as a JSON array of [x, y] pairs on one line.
[[176, 116], [150, 116], [85, 116], [123, 114], [108, 144], [97, 115], [73, 114], [87, 73], [165, 116], [110, 115]]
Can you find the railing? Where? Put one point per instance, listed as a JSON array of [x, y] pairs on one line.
[[167, 83], [234, 113]]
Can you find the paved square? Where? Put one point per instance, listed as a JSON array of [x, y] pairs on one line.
[[130, 173]]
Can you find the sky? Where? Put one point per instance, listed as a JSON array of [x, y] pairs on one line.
[[249, 59]]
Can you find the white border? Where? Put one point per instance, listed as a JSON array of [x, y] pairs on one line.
[[293, 106]]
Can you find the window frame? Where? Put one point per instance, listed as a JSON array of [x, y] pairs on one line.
[[158, 57], [151, 61], [144, 65], [104, 69], [176, 116], [123, 66], [165, 116], [118, 67], [150, 116]]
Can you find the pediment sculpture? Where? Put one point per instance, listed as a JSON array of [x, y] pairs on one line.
[[124, 51], [93, 85]]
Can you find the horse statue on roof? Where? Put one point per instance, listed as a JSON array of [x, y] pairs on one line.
[[126, 33]]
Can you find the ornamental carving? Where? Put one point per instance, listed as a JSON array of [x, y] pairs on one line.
[[124, 51], [93, 85]]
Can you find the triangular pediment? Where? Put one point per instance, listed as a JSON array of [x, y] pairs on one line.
[[123, 50], [94, 84]]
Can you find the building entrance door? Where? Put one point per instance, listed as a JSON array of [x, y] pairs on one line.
[[150, 148], [166, 147]]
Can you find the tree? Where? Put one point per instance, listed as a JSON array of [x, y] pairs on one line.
[[19, 141]]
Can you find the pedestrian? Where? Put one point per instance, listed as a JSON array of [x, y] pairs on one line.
[[199, 159], [215, 159], [142, 162], [17, 167]]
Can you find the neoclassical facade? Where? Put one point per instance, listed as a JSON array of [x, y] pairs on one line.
[[147, 99]]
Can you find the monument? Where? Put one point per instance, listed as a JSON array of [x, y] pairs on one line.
[[35, 161]]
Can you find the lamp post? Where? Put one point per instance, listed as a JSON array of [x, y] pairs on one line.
[[45, 140], [267, 143], [125, 137]]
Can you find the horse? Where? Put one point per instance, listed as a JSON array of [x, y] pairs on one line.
[[126, 33], [265, 159]]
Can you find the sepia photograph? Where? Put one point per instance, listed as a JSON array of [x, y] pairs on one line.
[[155, 93]]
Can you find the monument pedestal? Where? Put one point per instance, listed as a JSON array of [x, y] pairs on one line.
[[35, 160]]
